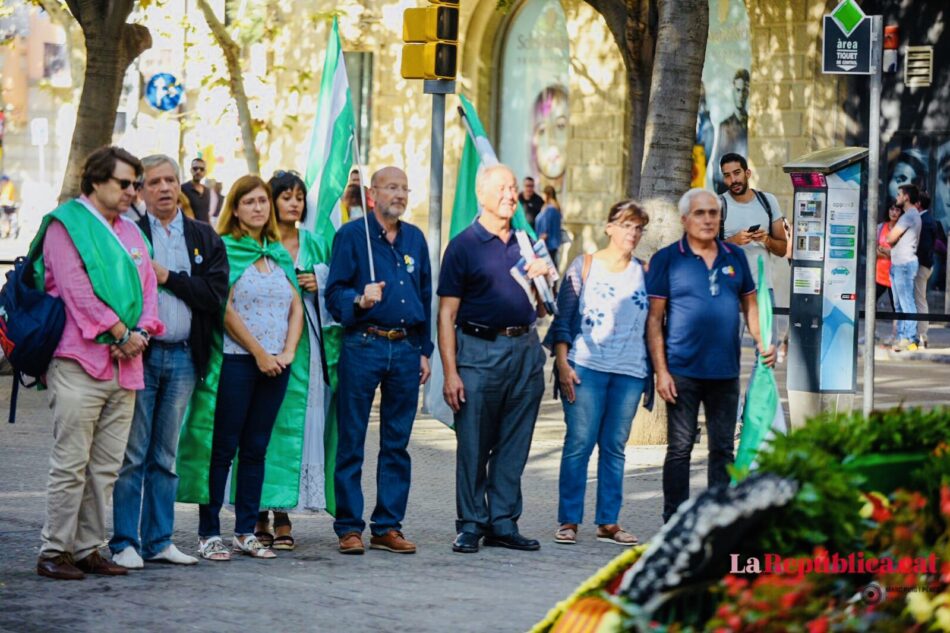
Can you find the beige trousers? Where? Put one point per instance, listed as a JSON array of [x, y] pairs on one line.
[[920, 298], [91, 422]]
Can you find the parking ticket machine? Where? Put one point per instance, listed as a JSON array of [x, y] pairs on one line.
[[827, 225]]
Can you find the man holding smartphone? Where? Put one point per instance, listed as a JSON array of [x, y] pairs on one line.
[[752, 220]]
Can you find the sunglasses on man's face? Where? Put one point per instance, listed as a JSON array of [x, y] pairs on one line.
[[197, 168], [124, 183]]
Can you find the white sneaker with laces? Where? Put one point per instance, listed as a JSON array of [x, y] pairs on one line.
[[173, 555], [129, 559]]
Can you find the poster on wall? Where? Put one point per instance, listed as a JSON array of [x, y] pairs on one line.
[[722, 125], [534, 95], [922, 160]]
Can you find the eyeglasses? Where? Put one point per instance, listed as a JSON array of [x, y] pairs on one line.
[[631, 227], [123, 183], [138, 185], [713, 284], [280, 173], [394, 189], [197, 168]]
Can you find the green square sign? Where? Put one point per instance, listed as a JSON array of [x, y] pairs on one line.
[[848, 15]]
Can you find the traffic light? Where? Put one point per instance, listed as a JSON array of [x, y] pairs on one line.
[[431, 36]]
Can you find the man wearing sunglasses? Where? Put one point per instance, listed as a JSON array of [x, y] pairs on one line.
[[199, 195], [697, 287], [98, 263]]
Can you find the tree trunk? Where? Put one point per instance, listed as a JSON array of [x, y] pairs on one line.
[[236, 84], [111, 45], [669, 133]]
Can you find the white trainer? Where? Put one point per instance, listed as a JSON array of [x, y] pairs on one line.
[[173, 555], [129, 559]]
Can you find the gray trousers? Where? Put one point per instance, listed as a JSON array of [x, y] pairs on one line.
[[504, 382]]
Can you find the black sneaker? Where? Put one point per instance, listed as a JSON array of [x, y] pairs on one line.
[[513, 541], [466, 543]]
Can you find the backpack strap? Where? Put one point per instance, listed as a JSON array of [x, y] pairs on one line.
[[764, 201], [585, 271], [722, 217]]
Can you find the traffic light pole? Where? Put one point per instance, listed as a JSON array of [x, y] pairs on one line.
[[438, 88]]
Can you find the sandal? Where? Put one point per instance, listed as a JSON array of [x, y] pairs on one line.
[[265, 537], [252, 547], [616, 535], [284, 542], [566, 534], [213, 549]]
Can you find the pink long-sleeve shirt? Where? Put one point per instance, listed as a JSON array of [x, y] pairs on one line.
[[86, 315]]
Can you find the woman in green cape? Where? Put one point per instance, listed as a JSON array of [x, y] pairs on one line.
[[256, 383], [319, 440]]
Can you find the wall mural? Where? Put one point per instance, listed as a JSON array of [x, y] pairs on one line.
[[723, 122], [534, 95]]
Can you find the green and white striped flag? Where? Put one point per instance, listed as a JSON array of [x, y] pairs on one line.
[[331, 144]]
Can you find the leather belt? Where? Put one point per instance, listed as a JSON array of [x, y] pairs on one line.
[[395, 334], [491, 333]]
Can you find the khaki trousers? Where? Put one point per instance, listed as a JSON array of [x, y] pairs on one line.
[[91, 422]]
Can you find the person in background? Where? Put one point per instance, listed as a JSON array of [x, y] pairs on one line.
[[901, 246], [352, 203], [530, 201], [199, 195], [548, 223], [307, 249], [925, 263], [603, 370], [882, 276]]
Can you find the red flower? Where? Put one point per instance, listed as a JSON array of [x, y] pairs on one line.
[[879, 511], [918, 501], [818, 625], [945, 500], [903, 533], [790, 599]]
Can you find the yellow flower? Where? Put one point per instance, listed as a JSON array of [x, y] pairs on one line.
[[919, 606], [943, 619]]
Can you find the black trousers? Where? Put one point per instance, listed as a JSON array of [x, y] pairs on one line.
[[720, 400]]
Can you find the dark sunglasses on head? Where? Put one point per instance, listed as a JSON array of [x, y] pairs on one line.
[[280, 173]]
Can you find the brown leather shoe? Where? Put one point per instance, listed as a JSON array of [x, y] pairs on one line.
[[392, 541], [59, 568], [95, 563], [351, 543]]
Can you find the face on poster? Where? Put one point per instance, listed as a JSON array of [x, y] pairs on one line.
[[534, 98], [942, 185], [722, 125]]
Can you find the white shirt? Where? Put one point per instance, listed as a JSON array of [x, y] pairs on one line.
[[740, 216]]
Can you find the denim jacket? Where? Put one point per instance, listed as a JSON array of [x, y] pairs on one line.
[[567, 325]]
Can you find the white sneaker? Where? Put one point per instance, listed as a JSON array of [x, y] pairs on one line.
[[173, 555], [129, 559]]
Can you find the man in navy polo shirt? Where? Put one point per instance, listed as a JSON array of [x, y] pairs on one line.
[[698, 285], [387, 343], [494, 367]]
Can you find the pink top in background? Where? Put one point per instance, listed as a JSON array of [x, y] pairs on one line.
[[86, 315]]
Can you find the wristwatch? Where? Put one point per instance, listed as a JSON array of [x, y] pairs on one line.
[[143, 333]]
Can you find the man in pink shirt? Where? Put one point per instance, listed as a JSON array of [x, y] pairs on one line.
[[98, 263]]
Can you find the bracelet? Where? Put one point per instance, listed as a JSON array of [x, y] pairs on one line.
[[125, 338], [143, 333]]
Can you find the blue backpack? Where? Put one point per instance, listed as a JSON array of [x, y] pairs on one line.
[[31, 324]]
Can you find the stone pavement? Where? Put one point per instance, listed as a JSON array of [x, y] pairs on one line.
[[315, 588]]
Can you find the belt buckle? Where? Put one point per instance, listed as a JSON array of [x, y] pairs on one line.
[[511, 331], [392, 335]]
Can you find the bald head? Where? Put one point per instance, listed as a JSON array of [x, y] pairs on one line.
[[390, 189]]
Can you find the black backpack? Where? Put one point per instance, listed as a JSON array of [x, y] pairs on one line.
[[31, 324], [758, 196]]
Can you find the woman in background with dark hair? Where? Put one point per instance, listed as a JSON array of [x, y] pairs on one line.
[[548, 223], [308, 250]]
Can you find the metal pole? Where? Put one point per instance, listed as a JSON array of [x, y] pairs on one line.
[[438, 89], [369, 246], [874, 159]]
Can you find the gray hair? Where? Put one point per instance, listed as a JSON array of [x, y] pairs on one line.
[[155, 160], [485, 173], [686, 201]]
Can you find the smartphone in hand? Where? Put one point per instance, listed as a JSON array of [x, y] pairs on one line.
[[754, 228]]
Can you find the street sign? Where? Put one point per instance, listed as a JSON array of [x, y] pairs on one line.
[[39, 131], [164, 92], [846, 44]]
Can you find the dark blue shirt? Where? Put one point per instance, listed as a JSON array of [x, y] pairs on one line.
[[702, 309], [477, 269], [549, 221], [928, 234], [403, 265]]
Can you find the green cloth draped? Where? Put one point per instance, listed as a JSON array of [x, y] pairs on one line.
[[282, 464], [112, 271], [314, 251]]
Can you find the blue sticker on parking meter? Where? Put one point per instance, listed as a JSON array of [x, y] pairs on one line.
[[164, 92]]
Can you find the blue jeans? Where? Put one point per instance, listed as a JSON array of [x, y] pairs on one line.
[[602, 413], [902, 286], [144, 494], [244, 416], [366, 362]]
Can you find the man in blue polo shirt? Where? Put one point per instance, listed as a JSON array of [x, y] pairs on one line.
[[494, 367], [387, 343], [697, 285]]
